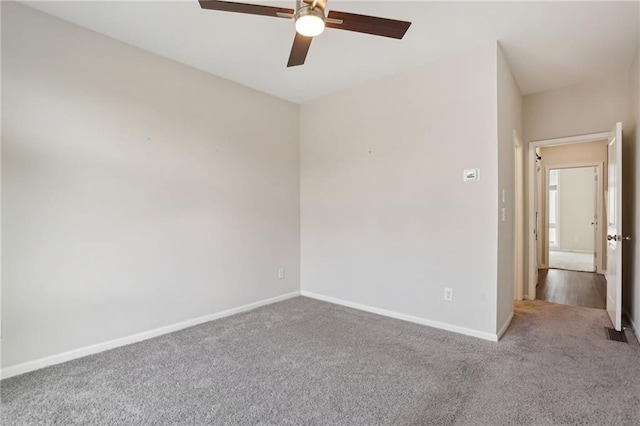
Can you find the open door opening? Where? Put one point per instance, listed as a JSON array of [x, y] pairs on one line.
[[573, 198], [570, 237], [577, 260]]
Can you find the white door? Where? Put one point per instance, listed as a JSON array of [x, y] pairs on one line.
[[614, 228]]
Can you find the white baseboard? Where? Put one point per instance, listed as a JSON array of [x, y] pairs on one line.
[[404, 317], [634, 325], [504, 327], [37, 364]]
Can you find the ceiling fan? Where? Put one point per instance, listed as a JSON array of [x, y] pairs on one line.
[[311, 20]]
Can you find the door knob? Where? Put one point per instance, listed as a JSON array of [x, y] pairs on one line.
[[618, 238]]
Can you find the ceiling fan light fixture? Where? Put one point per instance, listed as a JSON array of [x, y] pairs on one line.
[[310, 22]]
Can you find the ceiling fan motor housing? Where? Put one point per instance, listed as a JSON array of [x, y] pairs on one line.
[[310, 21]]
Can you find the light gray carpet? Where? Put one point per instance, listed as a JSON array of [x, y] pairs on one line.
[[308, 362]]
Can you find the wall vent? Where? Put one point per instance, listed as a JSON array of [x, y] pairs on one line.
[[618, 336]]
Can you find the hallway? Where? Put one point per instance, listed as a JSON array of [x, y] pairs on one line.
[[573, 288]]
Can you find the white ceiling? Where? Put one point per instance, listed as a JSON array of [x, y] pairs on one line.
[[548, 44]]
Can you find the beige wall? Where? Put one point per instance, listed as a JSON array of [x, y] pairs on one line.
[[387, 221], [137, 192], [509, 120], [590, 107], [591, 152], [631, 185]]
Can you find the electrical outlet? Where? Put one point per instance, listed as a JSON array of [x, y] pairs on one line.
[[448, 294], [281, 273]]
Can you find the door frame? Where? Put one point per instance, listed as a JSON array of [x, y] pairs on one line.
[[599, 166], [519, 223], [531, 219]]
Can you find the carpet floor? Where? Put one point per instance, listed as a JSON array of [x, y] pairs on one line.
[[303, 361], [571, 261]]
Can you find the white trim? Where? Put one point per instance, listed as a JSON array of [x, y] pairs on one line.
[[636, 331], [505, 326], [592, 137], [531, 272], [518, 223], [37, 364], [435, 324], [531, 175]]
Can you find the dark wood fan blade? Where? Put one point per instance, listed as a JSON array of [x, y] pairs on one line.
[[368, 24], [251, 9], [299, 50]]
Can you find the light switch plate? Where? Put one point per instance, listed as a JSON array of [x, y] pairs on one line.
[[470, 175]]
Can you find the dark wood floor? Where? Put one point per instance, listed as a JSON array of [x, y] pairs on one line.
[[572, 288]]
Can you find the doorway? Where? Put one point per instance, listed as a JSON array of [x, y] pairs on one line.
[[567, 180], [572, 217], [570, 196], [608, 262]]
